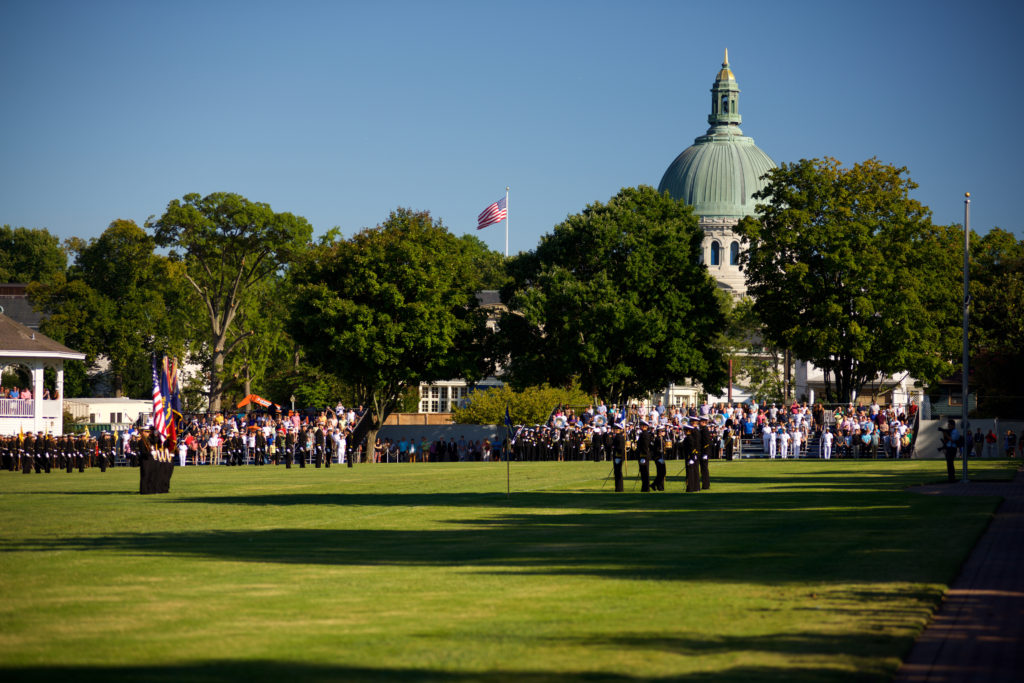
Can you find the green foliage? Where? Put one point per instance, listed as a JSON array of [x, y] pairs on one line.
[[532, 405], [615, 298], [228, 246], [30, 255], [755, 365], [119, 300], [997, 323], [389, 308], [488, 267], [849, 273]]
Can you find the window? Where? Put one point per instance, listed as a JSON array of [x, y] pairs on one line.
[[716, 254], [734, 254], [725, 104]]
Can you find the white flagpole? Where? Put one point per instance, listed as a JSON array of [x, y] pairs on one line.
[[506, 221]]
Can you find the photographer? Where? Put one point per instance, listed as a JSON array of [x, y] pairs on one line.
[[952, 439]]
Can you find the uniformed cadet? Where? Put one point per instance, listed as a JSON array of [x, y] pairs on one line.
[[319, 446], [659, 460], [261, 447], [42, 454], [705, 453], [643, 455], [289, 450], [691, 451], [618, 454]]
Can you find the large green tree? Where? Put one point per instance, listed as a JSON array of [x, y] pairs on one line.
[[228, 246], [120, 300], [615, 298], [997, 322], [30, 255], [849, 272], [390, 307]]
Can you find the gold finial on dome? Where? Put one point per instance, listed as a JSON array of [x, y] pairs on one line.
[[726, 73]]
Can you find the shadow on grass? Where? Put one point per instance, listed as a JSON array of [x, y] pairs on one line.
[[259, 671], [770, 538]]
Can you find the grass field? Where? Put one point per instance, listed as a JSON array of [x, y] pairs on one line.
[[783, 571]]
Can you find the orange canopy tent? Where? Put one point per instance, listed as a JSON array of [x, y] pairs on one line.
[[258, 400]]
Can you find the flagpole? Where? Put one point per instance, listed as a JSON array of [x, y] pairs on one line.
[[506, 221]]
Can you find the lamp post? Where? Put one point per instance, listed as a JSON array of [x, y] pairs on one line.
[[293, 402], [964, 386]]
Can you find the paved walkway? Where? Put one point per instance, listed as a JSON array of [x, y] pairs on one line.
[[978, 632]]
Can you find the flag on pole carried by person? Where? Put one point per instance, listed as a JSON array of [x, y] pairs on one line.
[[158, 405], [495, 213]]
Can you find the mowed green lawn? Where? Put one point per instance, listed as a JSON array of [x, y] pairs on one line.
[[788, 571]]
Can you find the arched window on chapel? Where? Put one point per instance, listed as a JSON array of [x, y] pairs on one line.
[[716, 254], [734, 254]]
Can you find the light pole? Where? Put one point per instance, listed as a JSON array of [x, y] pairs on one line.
[[964, 386], [293, 402]]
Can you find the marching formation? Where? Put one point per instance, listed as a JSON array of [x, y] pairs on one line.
[[45, 452], [693, 439]]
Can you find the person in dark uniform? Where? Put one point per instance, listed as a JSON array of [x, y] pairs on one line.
[[319, 446], [644, 447], [659, 460], [728, 438], [289, 448], [691, 454], [618, 454], [42, 454], [147, 462], [7, 453], [106, 451], [705, 453], [261, 447]]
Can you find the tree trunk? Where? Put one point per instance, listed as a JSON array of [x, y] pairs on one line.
[[216, 375], [371, 439], [247, 387]]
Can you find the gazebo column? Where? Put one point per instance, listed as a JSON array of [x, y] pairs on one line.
[[37, 396], [59, 426]]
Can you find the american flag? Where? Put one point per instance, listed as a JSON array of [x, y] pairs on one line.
[[495, 213], [158, 405]]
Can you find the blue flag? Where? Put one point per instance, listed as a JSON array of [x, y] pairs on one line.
[[508, 419]]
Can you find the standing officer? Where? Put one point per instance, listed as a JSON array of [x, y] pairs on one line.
[[289, 447], [618, 453], [705, 453], [319, 445], [644, 447], [659, 460], [691, 453]]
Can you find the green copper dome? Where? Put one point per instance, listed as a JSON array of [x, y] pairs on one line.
[[722, 169]]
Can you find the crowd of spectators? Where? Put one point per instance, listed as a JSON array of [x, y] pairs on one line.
[[24, 393]]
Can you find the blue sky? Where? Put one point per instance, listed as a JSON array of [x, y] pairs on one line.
[[343, 111]]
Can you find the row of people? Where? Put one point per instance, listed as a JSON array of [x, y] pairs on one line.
[[45, 452]]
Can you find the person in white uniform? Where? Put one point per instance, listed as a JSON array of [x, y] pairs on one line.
[[826, 444]]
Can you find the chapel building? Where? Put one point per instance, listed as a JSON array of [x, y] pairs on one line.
[[718, 175]]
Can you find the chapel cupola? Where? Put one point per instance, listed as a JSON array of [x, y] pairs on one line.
[[725, 100]]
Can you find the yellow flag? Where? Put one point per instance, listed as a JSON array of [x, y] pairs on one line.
[[21, 433]]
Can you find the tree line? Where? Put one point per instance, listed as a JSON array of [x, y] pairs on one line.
[[843, 266]]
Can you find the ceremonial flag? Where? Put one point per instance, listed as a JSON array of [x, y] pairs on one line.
[[495, 213], [172, 402], [158, 405], [508, 419]]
